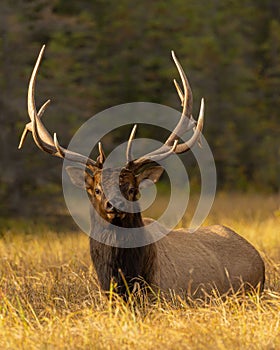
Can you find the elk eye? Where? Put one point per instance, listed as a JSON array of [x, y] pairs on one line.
[[131, 190], [97, 191]]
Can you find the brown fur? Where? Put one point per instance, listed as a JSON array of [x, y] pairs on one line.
[[188, 263], [213, 256]]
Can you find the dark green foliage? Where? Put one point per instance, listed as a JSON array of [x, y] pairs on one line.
[[103, 53]]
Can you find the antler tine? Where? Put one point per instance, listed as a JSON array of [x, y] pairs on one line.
[[44, 146], [129, 156], [57, 146], [31, 87], [188, 98], [28, 126], [31, 106], [41, 136], [152, 157], [181, 96], [70, 155], [186, 121], [179, 91], [23, 135], [184, 147], [101, 158]]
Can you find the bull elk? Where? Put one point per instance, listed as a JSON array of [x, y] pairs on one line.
[[192, 263]]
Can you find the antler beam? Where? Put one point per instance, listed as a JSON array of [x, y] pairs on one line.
[[185, 124], [41, 136]]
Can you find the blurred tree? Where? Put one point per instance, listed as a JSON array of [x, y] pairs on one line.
[[103, 53]]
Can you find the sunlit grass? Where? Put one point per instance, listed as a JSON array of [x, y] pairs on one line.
[[49, 295]]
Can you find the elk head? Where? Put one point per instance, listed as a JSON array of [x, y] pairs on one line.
[[112, 191]]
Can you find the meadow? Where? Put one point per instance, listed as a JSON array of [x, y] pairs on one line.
[[50, 299]]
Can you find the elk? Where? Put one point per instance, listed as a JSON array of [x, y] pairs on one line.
[[193, 263]]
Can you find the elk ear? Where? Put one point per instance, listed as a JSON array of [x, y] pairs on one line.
[[78, 176], [149, 176]]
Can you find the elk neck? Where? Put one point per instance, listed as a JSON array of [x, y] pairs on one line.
[[113, 263]]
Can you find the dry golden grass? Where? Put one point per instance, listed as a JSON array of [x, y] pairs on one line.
[[49, 297]]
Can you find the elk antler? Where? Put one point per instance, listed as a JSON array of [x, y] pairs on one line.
[[41, 136], [49, 144], [185, 124]]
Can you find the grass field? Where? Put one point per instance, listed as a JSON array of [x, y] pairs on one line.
[[49, 296]]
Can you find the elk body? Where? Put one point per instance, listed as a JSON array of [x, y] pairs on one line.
[[213, 257]]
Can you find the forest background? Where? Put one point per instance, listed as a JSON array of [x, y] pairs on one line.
[[104, 53]]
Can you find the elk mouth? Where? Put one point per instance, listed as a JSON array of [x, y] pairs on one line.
[[115, 215], [113, 212]]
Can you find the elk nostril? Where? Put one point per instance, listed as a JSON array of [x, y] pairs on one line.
[[114, 205], [109, 206]]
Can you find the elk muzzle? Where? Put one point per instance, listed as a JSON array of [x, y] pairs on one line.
[[115, 207]]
